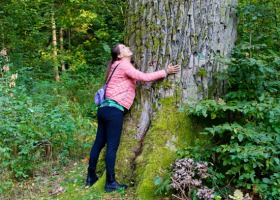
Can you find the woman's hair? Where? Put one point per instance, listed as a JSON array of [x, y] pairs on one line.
[[115, 51]]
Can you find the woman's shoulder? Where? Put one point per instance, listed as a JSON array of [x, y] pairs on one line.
[[124, 63]]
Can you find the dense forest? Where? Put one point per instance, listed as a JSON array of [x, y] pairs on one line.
[[53, 58]]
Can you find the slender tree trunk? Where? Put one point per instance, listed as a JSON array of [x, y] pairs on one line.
[[3, 53], [193, 34], [4, 65], [61, 48], [4, 59], [69, 38], [54, 42]]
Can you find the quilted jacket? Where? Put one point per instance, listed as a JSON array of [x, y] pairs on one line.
[[121, 87]]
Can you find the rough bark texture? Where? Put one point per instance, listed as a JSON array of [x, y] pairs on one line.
[[191, 33], [54, 42], [61, 48]]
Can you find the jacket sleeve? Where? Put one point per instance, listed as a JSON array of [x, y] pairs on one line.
[[135, 74]]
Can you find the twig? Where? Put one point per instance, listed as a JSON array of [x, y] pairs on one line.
[[173, 195], [182, 191]]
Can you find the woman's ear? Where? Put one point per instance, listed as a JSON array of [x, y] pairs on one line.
[[119, 56]]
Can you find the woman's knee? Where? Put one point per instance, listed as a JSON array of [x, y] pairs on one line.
[[97, 147]]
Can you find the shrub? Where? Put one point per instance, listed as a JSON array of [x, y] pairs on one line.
[[33, 129]]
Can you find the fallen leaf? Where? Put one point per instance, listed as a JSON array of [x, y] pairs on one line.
[[57, 191], [85, 160]]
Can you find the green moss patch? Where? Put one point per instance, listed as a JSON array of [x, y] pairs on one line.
[[168, 130]]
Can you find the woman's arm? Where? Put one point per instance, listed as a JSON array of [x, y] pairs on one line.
[[133, 73]]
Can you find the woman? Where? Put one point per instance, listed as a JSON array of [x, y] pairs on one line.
[[120, 94]]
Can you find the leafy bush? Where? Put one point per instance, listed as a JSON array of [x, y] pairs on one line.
[[248, 146], [34, 129]]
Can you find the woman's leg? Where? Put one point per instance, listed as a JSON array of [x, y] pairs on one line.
[[99, 143], [113, 133]]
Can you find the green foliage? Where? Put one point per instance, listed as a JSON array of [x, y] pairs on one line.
[[201, 72], [248, 143], [27, 127], [39, 113], [89, 28], [246, 121]]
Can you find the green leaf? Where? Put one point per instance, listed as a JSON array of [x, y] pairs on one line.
[[261, 98], [277, 161], [157, 180], [265, 180], [240, 137]]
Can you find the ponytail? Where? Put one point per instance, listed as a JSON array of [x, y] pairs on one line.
[[115, 51], [110, 63]]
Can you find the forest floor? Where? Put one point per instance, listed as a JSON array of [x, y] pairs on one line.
[[65, 183]]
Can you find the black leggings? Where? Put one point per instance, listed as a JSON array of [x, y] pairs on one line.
[[110, 122]]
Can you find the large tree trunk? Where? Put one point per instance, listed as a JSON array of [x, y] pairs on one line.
[[191, 33]]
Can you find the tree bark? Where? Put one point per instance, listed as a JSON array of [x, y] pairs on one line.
[[189, 33], [54, 42], [193, 34], [4, 59], [61, 48], [4, 65]]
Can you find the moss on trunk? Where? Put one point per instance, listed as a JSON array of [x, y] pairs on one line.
[[169, 129]]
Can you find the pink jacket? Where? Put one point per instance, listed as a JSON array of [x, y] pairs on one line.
[[121, 87]]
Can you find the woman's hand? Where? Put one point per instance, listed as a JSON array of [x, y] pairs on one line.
[[173, 69]]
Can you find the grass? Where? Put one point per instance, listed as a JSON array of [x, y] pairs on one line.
[[68, 182]]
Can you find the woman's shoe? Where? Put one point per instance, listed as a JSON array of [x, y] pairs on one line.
[[91, 177], [112, 185], [91, 180]]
